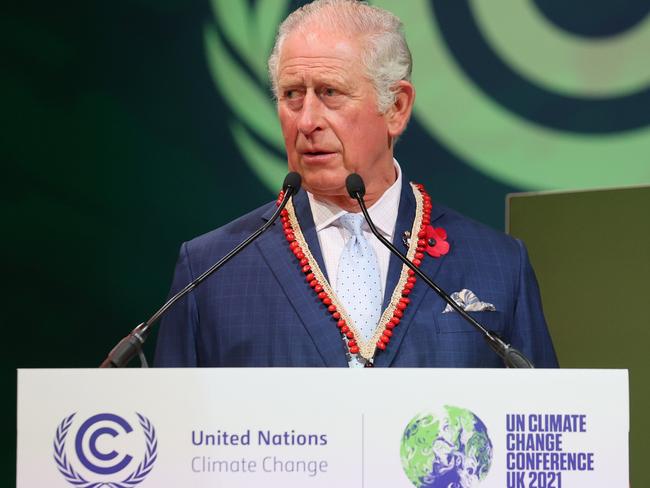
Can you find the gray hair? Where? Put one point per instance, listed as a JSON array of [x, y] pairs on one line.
[[386, 56]]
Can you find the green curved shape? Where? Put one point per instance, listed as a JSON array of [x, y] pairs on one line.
[[246, 99], [559, 61], [234, 21], [268, 16], [251, 31], [270, 169], [499, 143]]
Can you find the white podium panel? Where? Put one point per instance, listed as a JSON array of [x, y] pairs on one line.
[[331, 428]]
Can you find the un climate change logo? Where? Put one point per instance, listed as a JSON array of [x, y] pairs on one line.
[[536, 94], [94, 462], [448, 449]]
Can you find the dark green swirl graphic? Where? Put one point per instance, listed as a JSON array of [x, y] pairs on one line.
[[524, 141], [502, 88], [601, 21], [583, 114]]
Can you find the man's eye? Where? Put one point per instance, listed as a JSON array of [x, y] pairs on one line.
[[330, 92], [292, 93]]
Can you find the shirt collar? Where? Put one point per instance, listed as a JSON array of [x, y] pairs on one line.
[[383, 212]]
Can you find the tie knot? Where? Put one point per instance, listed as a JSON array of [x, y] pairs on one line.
[[352, 222]]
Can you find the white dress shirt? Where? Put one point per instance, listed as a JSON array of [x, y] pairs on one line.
[[332, 236]]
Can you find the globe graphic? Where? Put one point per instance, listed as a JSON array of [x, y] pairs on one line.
[[449, 449]]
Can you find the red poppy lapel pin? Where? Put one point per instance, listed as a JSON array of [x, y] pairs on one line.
[[432, 240], [436, 241]]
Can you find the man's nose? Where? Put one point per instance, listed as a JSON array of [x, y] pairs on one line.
[[311, 114]]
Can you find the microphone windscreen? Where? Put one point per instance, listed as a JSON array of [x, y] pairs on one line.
[[354, 185], [292, 180]]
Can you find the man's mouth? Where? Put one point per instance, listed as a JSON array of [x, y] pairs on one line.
[[317, 156]]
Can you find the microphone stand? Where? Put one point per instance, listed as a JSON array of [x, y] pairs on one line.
[[131, 345], [511, 356]]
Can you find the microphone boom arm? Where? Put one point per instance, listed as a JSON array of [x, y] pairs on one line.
[[511, 356], [131, 345]]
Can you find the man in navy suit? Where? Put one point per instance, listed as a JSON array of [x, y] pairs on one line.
[[341, 74]]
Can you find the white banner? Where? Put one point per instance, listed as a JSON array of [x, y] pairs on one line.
[[322, 428]]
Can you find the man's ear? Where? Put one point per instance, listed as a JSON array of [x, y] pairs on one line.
[[398, 114]]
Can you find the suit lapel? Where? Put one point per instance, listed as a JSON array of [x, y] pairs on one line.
[[284, 266], [404, 222], [430, 266]]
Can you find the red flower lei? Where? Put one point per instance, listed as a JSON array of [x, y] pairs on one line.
[[431, 240]]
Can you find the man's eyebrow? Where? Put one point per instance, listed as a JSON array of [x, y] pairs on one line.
[[291, 80], [332, 80], [299, 82]]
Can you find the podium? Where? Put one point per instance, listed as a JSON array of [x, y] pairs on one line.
[[322, 428]]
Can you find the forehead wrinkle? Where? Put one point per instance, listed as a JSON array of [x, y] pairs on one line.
[[302, 71], [314, 62]]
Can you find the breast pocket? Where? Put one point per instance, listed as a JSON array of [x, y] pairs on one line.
[[453, 323]]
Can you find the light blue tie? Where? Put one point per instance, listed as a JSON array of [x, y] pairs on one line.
[[358, 282]]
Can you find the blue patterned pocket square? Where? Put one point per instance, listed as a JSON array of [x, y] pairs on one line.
[[469, 302]]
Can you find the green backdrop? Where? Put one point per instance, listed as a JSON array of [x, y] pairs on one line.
[[133, 125], [591, 250]]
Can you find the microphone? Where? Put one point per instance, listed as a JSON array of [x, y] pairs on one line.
[[132, 344], [510, 356]]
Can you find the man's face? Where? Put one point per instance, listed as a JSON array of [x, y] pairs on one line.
[[329, 116]]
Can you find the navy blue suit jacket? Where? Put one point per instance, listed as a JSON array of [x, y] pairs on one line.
[[259, 311]]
